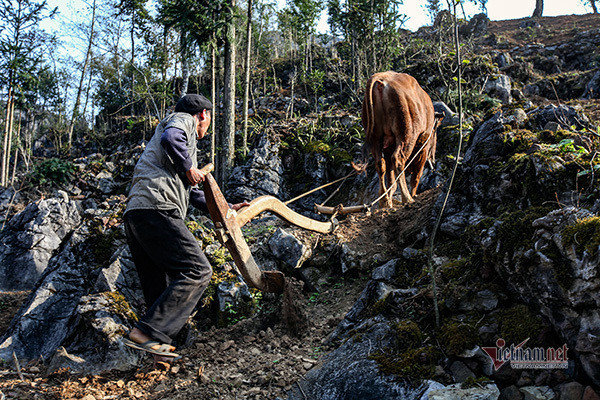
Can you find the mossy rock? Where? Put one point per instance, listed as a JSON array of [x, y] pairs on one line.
[[103, 245], [456, 270], [516, 230], [408, 335], [408, 271], [413, 365], [456, 337], [584, 235], [120, 306], [317, 146], [519, 323]]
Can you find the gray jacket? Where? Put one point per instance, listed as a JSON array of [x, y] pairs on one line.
[[156, 184]]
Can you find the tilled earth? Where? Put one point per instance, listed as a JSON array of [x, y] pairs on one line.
[[242, 361]]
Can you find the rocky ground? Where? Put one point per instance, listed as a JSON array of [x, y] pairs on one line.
[[255, 358], [240, 361]]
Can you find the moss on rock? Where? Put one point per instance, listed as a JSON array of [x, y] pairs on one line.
[[120, 306], [584, 235], [410, 359], [457, 337], [518, 323]]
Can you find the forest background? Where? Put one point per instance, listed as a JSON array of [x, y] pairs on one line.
[[70, 73]]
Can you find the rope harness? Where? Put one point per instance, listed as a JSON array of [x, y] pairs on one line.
[[365, 207]]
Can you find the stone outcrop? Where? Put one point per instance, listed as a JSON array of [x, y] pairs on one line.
[[260, 176], [347, 372], [558, 276], [81, 305], [32, 237]]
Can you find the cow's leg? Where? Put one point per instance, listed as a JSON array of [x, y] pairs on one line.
[[399, 165], [380, 166], [417, 170], [391, 172]]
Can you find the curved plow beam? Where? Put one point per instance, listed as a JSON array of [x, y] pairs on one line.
[[230, 235], [276, 206]]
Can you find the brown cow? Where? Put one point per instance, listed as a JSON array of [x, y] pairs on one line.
[[399, 120]]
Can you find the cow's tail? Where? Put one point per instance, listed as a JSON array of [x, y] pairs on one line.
[[438, 117], [370, 116], [366, 147]]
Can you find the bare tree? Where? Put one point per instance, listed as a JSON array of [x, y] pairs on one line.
[[539, 7], [247, 78], [229, 96], [591, 3], [84, 67]]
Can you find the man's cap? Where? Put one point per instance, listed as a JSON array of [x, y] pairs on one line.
[[193, 104]]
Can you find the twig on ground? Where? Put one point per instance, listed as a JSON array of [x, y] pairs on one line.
[[18, 366]]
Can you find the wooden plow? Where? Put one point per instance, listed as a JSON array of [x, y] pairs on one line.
[[228, 224]]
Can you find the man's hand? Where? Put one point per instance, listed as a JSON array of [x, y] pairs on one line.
[[237, 206], [194, 176]]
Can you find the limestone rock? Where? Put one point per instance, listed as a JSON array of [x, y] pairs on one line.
[[537, 393], [455, 392], [386, 272], [348, 373], [46, 319], [488, 139], [460, 372], [31, 238], [565, 116], [95, 343], [232, 294], [261, 175], [121, 276], [571, 391], [500, 88], [511, 393], [562, 281], [450, 117], [287, 248]]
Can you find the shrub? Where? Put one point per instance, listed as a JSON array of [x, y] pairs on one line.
[[52, 171]]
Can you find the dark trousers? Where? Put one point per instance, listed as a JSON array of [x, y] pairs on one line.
[[173, 270]]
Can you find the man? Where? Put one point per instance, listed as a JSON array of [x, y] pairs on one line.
[[173, 270]]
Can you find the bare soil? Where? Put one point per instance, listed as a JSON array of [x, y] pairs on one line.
[[552, 30], [244, 360]]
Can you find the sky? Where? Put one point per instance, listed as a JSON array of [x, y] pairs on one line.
[[75, 10]]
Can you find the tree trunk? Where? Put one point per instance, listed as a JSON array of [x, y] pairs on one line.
[[15, 158], [87, 96], [539, 7], [15, 162], [247, 79], [132, 62], [86, 62], [5, 144], [185, 70], [213, 96], [229, 96], [593, 4], [163, 103], [9, 142], [293, 83]]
